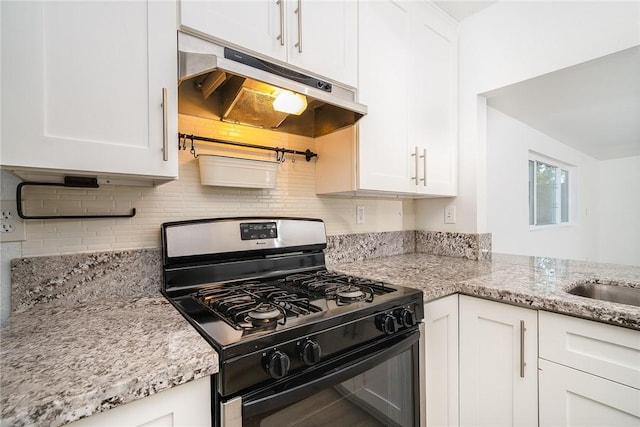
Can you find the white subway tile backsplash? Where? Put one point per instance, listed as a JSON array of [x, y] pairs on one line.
[[185, 198]]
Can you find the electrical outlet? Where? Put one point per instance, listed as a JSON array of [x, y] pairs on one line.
[[450, 215], [360, 219], [11, 225]]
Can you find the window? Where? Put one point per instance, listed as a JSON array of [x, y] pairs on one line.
[[548, 192]]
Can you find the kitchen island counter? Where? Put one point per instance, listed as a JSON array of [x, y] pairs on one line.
[[534, 282]]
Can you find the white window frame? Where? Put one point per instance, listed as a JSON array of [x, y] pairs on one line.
[[572, 190]]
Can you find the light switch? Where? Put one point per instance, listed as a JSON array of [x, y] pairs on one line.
[[360, 219], [450, 215]]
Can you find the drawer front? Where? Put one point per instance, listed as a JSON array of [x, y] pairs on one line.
[[604, 350], [572, 398]]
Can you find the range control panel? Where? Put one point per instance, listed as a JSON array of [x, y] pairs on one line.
[[258, 230]]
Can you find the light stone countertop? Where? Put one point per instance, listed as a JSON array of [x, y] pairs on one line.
[[89, 333], [534, 282], [62, 363]]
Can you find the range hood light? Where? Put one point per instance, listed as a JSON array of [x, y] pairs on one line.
[[289, 102]]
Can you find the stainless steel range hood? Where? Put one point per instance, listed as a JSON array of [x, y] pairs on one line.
[[220, 83]]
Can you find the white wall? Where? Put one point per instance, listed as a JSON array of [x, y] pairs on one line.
[[508, 145], [508, 42], [619, 230]]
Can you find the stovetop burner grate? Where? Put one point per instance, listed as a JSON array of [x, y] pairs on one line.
[[339, 287], [254, 304]]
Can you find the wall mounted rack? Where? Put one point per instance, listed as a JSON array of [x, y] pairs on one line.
[[69, 182], [280, 152]]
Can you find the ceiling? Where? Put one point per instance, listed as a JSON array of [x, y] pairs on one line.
[[593, 107], [459, 10]]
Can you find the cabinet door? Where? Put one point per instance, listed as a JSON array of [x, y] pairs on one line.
[[494, 389], [431, 103], [254, 25], [569, 397], [82, 86], [187, 405], [383, 154], [441, 350], [322, 38]]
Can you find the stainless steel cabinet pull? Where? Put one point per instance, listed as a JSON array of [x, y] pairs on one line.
[[522, 362], [165, 126], [299, 12], [416, 164], [281, 36], [424, 167]]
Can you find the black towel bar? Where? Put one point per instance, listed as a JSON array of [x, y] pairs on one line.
[[69, 182]]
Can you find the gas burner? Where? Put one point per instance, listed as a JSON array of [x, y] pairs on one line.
[[264, 314], [350, 294]]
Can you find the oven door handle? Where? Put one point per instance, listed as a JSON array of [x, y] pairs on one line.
[[299, 390]]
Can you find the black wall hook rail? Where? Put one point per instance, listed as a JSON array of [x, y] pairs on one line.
[[69, 182], [307, 154]]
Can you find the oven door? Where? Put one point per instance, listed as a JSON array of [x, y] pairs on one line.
[[377, 385]]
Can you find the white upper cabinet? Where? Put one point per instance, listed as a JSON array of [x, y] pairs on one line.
[[318, 37], [406, 144], [383, 154], [432, 95], [83, 86]]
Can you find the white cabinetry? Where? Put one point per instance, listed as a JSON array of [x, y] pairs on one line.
[[406, 144], [441, 350], [315, 36], [83, 84], [498, 364], [589, 373], [187, 405]]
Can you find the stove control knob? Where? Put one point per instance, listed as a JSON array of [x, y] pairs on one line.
[[406, 317], [387, 324], [310, 352], [277, 364]]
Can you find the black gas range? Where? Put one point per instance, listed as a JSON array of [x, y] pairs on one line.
[[288, 332]]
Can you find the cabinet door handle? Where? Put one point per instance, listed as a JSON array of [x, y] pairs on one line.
[[424, 167], [281, 36], [415, 155], [298, 11], [522, 362], [165, 126]]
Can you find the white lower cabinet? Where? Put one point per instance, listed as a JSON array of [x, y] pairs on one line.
[[498, 364], [569, 397], [187, 405], [520, 367], [441, 350], [589, 373]]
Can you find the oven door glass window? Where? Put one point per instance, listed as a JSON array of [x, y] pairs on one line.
[[382, 395]]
